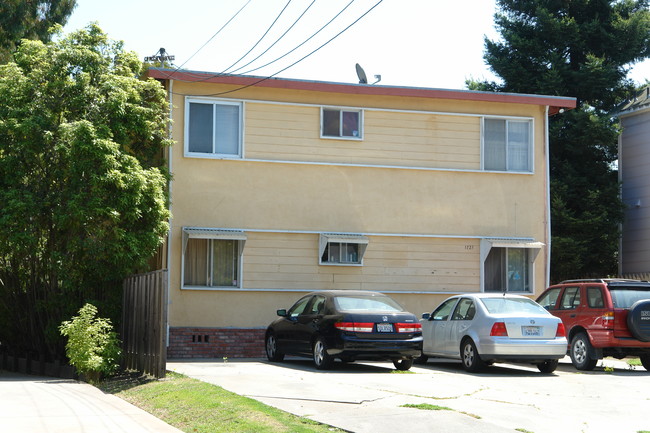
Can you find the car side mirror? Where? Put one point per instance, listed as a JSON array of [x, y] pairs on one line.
[[425, 316], [281, 313]]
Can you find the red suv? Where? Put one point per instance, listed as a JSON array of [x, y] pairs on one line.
[[602, 318]]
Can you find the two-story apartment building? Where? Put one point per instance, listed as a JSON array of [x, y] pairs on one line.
[[281, 187]]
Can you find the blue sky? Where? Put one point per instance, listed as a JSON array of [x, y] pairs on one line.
[[420, 43]]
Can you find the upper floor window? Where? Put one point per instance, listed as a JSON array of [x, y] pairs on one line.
[[341, 123], [213, 128], [507, 145]]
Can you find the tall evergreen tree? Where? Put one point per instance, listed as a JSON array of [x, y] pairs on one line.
[[21, 19], [580, 48]]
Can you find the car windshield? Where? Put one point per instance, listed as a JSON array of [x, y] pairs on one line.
[[625, 298], [502, 305], [366, 303]]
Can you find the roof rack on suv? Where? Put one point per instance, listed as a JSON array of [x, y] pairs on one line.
[[599, 280]]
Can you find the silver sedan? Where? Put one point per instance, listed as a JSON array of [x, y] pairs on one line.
[[480, 329]]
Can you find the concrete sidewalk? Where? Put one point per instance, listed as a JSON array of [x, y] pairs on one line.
[[34, 404]]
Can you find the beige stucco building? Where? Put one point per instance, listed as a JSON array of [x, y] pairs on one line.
[[281, 187]]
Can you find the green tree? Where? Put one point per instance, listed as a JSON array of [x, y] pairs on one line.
[[21, 19], [82, 181], [580, 48]]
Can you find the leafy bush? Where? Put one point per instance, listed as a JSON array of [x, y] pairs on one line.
[[93, 348]]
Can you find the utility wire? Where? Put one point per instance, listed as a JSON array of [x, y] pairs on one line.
[[303, 43], [225, 71], [213, 36], [278, 39], [296, 62]]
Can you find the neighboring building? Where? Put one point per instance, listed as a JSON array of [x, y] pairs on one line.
[[634, 175], [281, 187]]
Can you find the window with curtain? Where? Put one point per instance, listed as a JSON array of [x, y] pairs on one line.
[[341, 123], [213, 128], [212, 263], [507, 145], [507, 269]]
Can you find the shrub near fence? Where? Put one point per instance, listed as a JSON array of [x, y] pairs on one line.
[[144, 323]]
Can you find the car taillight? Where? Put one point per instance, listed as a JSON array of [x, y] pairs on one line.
[[499, 330], [608, 319], [561, 331], [354, 326], [408, 327]]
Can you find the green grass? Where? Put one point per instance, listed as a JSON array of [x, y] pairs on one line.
[[198, 407], [634, 362], [426, 406]]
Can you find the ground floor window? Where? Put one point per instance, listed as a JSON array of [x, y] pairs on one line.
[[342, 249], [507, 268], [212, 258], [508, 265]]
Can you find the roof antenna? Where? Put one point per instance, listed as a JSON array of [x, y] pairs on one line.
[[160, 56]]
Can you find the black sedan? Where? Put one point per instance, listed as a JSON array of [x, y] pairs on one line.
[[348, 325]]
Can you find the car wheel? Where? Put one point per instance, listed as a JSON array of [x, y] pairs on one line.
[[469, 356], [322, 360], [637, 320], [581, 353], [403, 364], [548, 366], [645, 361], [272, 351]]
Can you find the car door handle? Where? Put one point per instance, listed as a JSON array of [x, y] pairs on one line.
[[572, 315]]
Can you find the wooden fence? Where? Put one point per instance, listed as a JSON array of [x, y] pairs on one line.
[[645, 276], [144, 323]]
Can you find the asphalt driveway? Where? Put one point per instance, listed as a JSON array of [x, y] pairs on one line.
[[369, 397]]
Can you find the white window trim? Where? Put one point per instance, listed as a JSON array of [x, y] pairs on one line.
[[341, 110], [326, 238], [531, 156], [186, 132], [488, 243], [213, 233]]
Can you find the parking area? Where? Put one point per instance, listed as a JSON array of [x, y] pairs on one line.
[[370, 397]]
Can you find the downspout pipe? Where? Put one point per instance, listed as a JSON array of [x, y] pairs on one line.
[[170, 152], [547, 149]]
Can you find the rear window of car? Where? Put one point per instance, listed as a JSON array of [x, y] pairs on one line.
[[366, 303], [512, 306], [626, 297]]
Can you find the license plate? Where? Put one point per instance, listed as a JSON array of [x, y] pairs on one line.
[[531, 331], [384, 327]]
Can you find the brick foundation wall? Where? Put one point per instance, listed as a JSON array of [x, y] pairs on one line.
[[215, 343]]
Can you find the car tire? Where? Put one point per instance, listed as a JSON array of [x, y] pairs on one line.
[[322, 360], [271, 346], [548, 366], [581, 351], [403, 364], [638, 320], [645, 361], [470, 357]]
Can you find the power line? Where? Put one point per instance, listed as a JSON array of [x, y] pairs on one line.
[[296, 62], [304, 42], [278, 39], [225, 71], [211, 38]]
